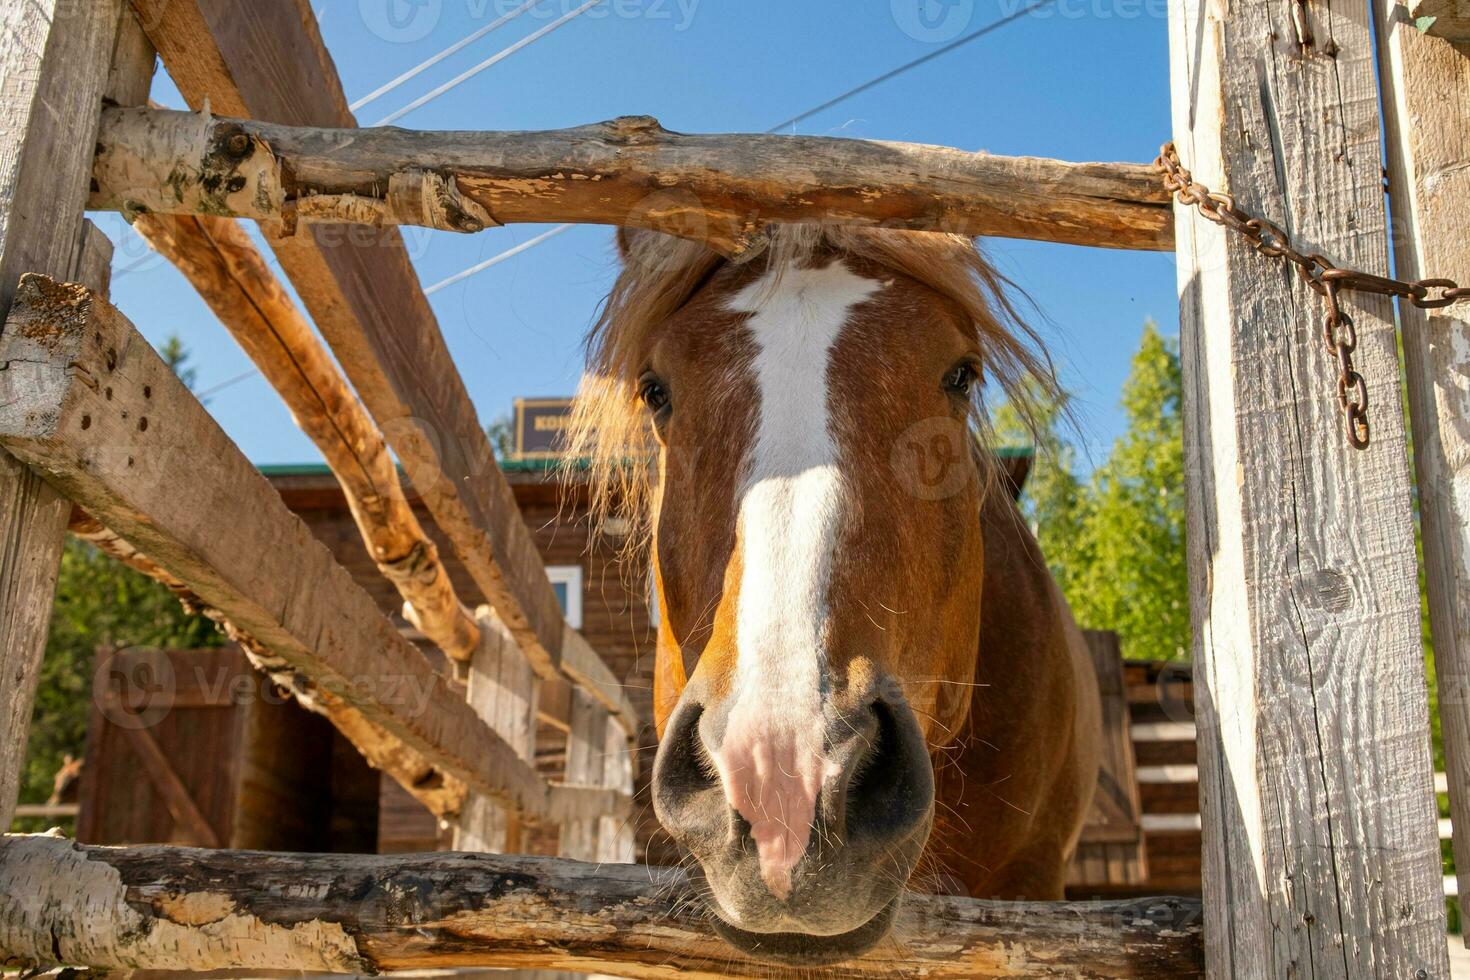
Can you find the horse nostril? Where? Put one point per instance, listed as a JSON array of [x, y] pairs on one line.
[[686, 787], [891, 790]]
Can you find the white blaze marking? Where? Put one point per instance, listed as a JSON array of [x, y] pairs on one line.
[[771, 759]]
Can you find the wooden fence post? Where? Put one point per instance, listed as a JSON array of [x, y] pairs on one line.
[[53, 67], [1426, 101], [1320, 849]]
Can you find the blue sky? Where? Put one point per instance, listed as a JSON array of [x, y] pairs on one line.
[[1087, 80]]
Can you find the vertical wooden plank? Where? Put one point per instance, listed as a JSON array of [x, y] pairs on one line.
[[1320, 857], [586, 746], [32, 527], [53, 66], [503, 690], [1426, 102], [615, 837], [134, 62]]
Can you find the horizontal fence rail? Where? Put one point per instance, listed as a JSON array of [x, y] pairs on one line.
[[183, 909], [630, 171]]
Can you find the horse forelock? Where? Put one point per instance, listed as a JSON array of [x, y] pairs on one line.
[[610, 442]]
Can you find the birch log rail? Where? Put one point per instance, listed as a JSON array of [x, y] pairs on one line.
[[181, 909], [629, 171]]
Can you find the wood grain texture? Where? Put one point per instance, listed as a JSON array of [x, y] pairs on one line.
[[232, 278], [1426, 99], [266, 60], [503, 690], [441, 793], [617, 832], [90, 404], [53, 68], [181, 909], [32, 529], [1320, 857], [586, 743], [722, 189]]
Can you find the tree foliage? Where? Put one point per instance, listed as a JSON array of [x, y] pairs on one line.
[[1115, 542]]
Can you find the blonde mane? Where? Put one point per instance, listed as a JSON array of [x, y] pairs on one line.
[[610, 437]]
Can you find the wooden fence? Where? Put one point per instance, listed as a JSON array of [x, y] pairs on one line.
[[1319, 829]]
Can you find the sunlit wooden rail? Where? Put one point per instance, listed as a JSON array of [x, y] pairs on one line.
[[183, 909], [721, 189]]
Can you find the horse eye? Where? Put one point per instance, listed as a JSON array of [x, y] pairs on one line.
[[959, 379], [654, 394]]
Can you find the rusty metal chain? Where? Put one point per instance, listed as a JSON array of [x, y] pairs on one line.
[[1321, 276]]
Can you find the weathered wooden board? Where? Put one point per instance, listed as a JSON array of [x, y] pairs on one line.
[[616, 832], [90, 405], [1426, 99], [586, 743], [1320, 855], [1448, 19], [503, 690], [32, 529], [621, 172], [181, 909], [53, 68]]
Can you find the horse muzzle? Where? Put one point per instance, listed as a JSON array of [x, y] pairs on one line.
[[804, 839]]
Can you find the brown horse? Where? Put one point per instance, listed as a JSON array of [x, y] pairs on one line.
[[859, 640]]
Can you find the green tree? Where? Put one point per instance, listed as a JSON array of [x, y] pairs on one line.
[[1055, 502], [501, 431], [1135, 580], [1116, 542], [176, 356], [99, 602]]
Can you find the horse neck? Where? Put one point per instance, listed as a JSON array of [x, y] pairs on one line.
[[1028, 641]]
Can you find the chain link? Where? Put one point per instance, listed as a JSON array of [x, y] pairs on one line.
[[1321, 276]]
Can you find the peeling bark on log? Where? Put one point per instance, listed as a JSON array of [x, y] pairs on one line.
[[182, 909], [216, 256], [630, 171]]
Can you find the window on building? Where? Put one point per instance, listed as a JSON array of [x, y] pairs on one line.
[[566, 581]]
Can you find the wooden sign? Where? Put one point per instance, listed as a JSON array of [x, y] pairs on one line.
[[541, 427]]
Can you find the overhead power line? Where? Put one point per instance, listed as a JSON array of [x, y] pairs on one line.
[[225, 384], [509, 253], [454, 48], [895, 72], [879, 80], [495, 58]]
